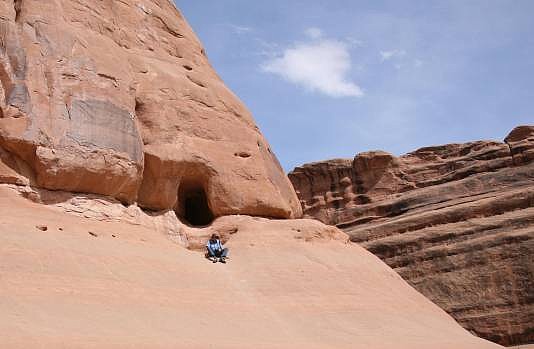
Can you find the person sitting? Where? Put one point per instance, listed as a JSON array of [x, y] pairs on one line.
[[216, 249]]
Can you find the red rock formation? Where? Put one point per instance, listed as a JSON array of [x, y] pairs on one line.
[[455, 221], [118, 98]]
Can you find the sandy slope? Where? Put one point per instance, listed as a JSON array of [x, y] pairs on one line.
[[69, 289]]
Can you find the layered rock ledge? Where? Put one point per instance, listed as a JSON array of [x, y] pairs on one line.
[[456, 221]]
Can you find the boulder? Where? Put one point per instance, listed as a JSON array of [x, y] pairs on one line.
[[118, 98], [521, 143]]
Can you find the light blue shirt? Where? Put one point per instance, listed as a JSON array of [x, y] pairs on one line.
[[214, 246]]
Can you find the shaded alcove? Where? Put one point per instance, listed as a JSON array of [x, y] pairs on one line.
[[193, 204]]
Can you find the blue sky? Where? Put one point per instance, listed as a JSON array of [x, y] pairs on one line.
[[330, 79]]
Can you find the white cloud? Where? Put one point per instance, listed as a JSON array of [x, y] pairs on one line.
[[354, 42], [417, 63], [314, 33], [319, 65], [238, 29], [386, 55]]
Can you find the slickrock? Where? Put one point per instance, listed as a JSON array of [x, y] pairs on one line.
[[118, 98], [455, 221], [288, 284]]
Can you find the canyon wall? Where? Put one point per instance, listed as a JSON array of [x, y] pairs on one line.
[[118, 98], [456, 221]]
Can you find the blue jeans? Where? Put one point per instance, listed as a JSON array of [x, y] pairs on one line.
[[220, 253]]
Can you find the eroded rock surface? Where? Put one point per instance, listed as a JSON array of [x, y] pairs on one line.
[[455, 221], [118, 98], [75, 282]]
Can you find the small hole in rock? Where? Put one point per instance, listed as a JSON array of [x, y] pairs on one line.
[[187, 67], [243, 154], [193, 205], [139, 105]]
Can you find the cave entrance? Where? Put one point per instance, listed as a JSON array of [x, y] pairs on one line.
[[193, 205]]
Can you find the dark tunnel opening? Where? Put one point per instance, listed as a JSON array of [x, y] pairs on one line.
[[193, 205]]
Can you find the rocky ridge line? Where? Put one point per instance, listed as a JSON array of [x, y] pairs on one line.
[[455, 221]]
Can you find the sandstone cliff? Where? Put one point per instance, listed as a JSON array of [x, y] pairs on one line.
[[455, 221], [118, 98]]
